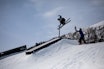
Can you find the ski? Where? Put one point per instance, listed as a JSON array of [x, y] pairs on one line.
[[67, 21]]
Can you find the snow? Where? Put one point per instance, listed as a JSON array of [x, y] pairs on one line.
[[98, 24], [37, 47], [65, 54]]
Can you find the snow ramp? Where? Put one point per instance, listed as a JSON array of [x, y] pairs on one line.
[[46, 44], [65, 54]]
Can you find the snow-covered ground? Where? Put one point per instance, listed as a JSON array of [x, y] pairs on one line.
[[65, 54], [101, 23]]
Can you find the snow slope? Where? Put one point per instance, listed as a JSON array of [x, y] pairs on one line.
[[65, 54], [98, 24]]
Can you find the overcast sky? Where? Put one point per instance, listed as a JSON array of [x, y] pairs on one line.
[[30, 21]]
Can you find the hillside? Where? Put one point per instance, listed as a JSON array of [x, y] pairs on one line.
[[98, 24], [65, 54]]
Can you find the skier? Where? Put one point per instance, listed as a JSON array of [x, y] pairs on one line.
[[81, 35], [62, 20]]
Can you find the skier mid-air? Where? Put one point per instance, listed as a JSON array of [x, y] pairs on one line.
[[62, 21]]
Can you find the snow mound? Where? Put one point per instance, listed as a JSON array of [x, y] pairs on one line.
[[98, 24], [65, 54]]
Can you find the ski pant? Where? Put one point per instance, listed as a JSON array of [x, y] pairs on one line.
[[82, 39]]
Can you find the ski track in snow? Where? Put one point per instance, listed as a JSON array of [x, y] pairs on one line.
[[65, 54]]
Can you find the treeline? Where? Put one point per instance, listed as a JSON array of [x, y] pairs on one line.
[[92, 34]]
